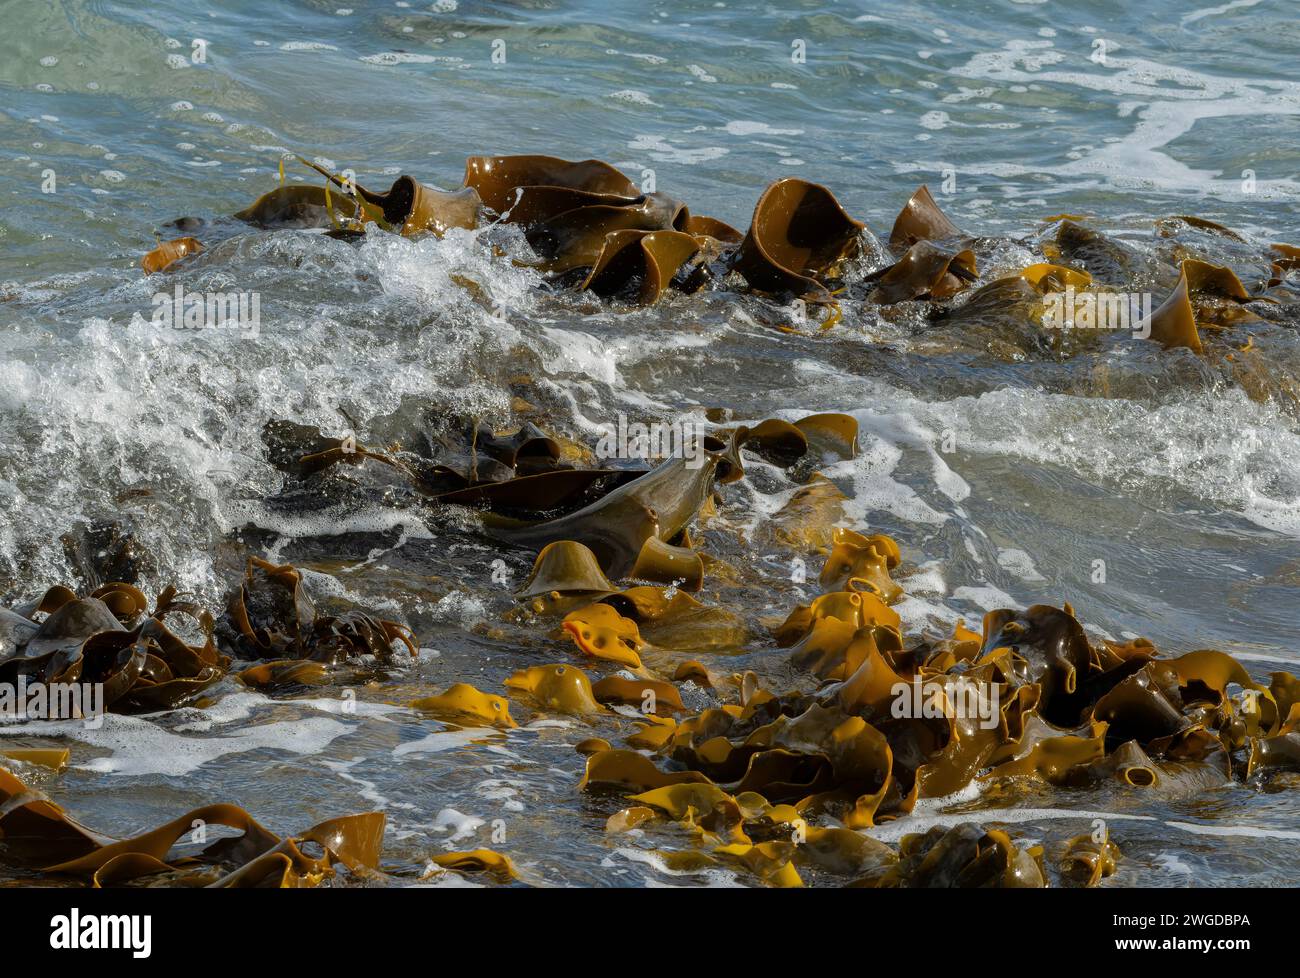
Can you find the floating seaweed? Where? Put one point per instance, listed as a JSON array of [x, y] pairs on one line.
[[35, 832]]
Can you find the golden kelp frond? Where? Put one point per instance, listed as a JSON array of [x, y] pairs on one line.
[[562, 688], [1046, 277], [497, 865], [924, 272], [966, 855], [568, 569], [1167, 227], [921, 219], [642, 260], [499, 179], [601, 632], [831, 433], [1174, 323], [648, 695], [797, 241], [463, 704], [53, 758], [1048, 646], [631, 770], [664, 563], [35, 830], [862, 563], [1088, 861], [299, 207], [169, 253]]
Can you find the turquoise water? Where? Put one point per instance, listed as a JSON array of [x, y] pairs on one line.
[[1181, 473]]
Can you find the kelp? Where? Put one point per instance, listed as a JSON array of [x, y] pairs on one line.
[[35, 831], [658, 504], [109, 639], [561, 688], [462, 704], [921, 219], [965, 856], [565, 568], [168, 253], [644, 261], [663, 563], [798, 240], [497, 865], [1088, 861], [299, 206], [924, 272], [592, 227], [601, 632], [270, 616]]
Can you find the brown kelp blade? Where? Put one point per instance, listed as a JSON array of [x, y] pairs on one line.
[[798, 238], [576, 238], [644, 260], [497, 178], [663, 563], [925, 271], [298, 206], [169, 253], [567, 568], [1174, 323], [921, 219], [410, 207]]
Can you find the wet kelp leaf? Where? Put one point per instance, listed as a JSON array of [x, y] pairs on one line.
[[807, 519], [639, 264], [409, 207], [966, 855], [862, 563], [631, 770], [566, 568], [168, 253], [1167, 227], [502, 181], [921, 219], [648, 695], [831, 434], [1046, 277], [601, 632], [497, 865], [675, 620], [659, 504], [299, 206], [798, 239], [663, 563], [270, 616], [284, 672], [35, 830], [141, 667], [467, 706], [924, 272], [1087, 861], [1048, 647], [53, 758], [561, 688], [858, 608]]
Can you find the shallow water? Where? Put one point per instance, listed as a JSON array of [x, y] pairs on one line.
[[1003, 471]]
